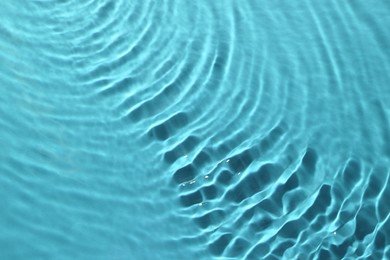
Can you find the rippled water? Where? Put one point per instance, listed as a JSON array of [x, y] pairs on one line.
[[194, 130]]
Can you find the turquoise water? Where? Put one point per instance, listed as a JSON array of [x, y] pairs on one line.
[[194, 129]]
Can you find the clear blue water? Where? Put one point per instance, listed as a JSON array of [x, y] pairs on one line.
[[194, 129]]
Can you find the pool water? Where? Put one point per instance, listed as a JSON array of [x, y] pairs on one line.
[[194, 130]]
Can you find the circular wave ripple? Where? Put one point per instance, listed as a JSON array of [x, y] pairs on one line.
[[228, 130]]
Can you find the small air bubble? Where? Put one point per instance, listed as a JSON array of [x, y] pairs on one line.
[[228, 160], [206, 177]]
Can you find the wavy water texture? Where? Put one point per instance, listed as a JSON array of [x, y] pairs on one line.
[[205, 130]]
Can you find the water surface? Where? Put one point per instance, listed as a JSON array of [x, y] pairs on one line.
[[206, 130]]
